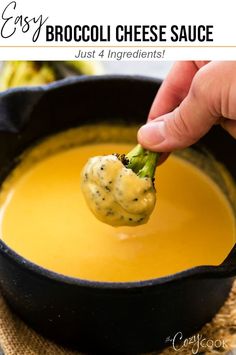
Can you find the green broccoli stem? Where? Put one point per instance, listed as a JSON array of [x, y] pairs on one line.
[[143, 162]]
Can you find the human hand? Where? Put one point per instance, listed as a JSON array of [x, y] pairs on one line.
[[193, 97]]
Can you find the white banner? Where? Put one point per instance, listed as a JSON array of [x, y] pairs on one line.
[[117, 30]]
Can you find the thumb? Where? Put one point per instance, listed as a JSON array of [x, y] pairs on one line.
[[182, 127]]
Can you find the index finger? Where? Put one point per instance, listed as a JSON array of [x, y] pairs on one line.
[[174, 88]]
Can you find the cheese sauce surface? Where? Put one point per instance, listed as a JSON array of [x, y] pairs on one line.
[[44, 217]]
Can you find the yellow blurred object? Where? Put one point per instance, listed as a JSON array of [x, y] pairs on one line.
[[33, 73], [85, 67], [22, 73]]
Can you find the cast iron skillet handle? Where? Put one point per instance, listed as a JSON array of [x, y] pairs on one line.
[[17, 104], [228, 267], [15, 109]]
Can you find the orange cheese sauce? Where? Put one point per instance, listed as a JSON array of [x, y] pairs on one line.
[[44, 217]]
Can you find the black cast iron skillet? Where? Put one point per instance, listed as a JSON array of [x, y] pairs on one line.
[[97, 316]]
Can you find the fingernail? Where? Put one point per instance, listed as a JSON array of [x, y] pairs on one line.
[[152, 133]]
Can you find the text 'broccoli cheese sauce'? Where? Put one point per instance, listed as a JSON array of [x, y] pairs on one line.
[[44, 217]]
